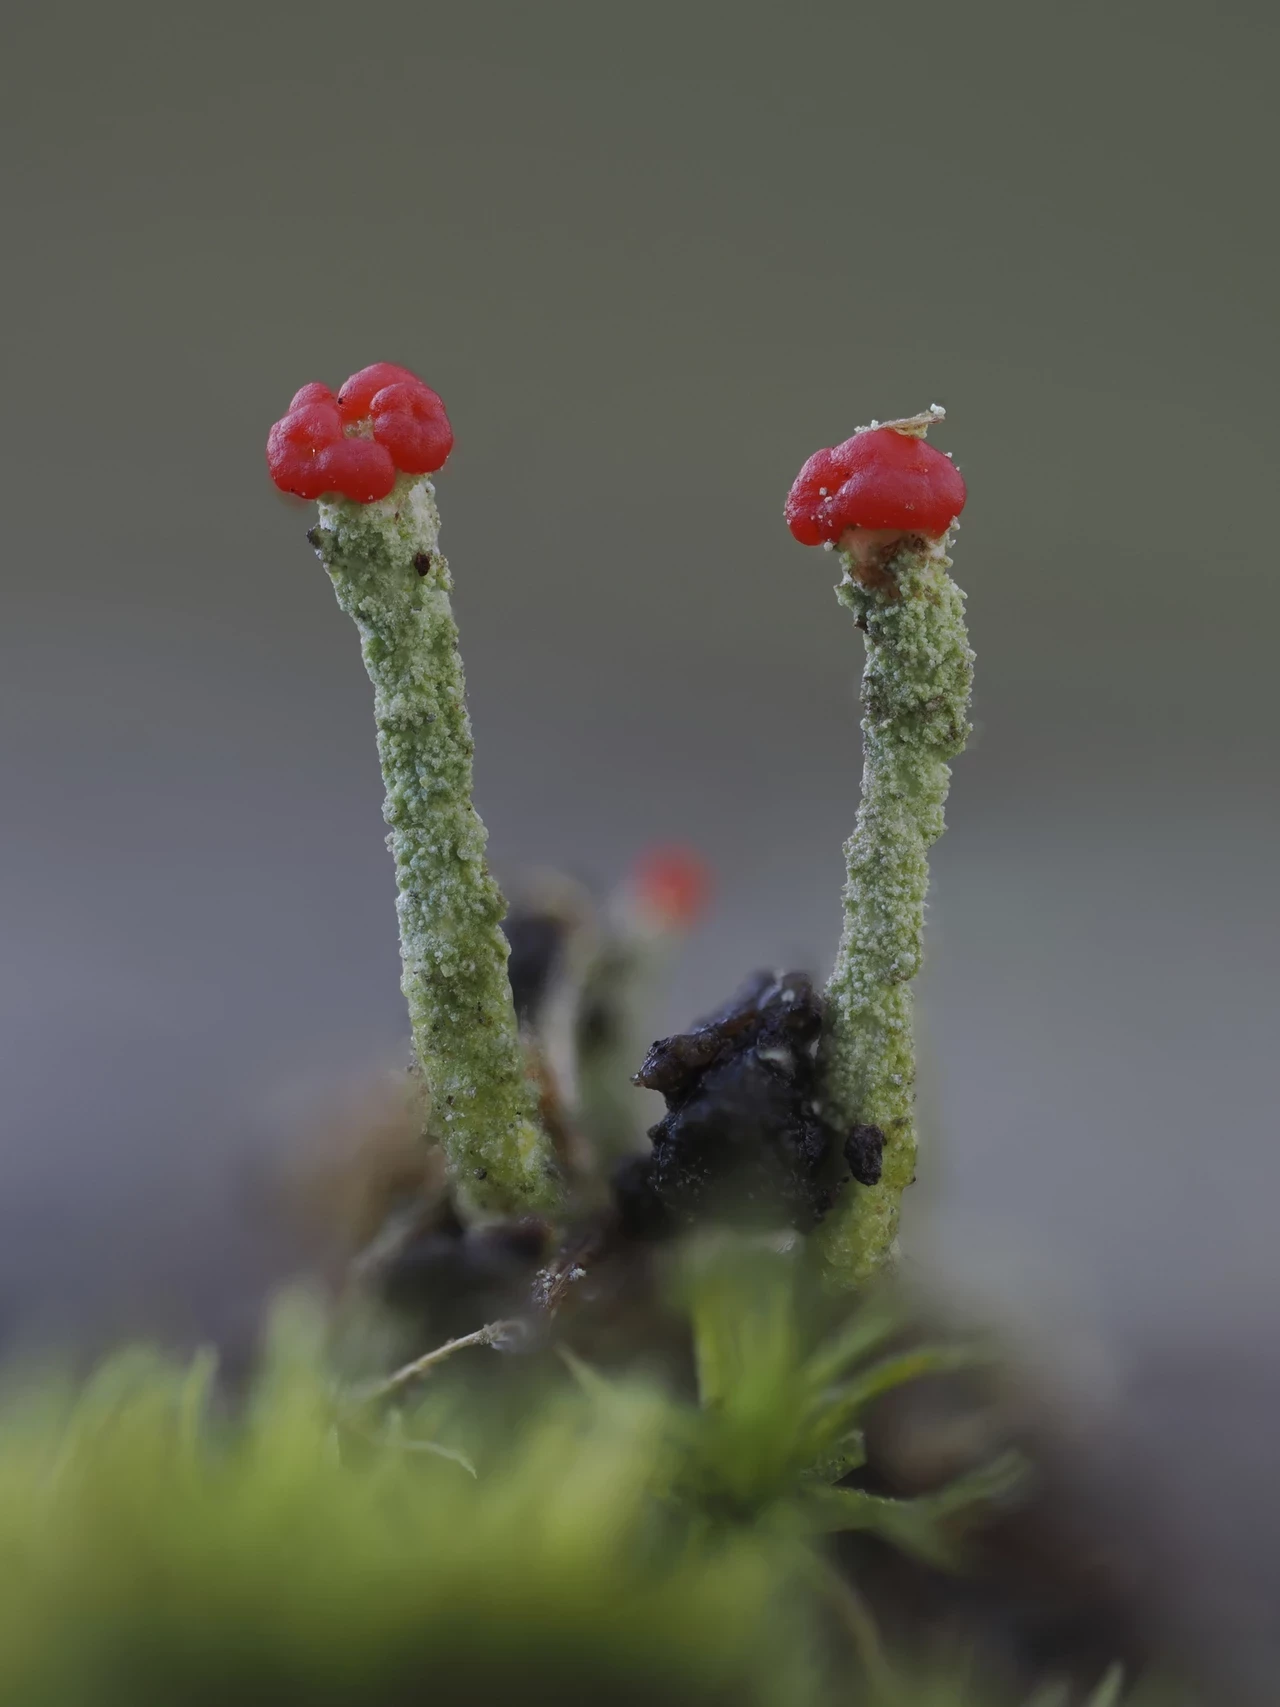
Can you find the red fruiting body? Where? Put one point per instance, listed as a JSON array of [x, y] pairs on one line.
[[314, 450], [673, 883], [295, 444], [411, 422], [358, 468], [313, 426], [313, 393], [880, 478], [359, 391]]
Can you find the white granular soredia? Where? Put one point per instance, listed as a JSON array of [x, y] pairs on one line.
[[385, 564]]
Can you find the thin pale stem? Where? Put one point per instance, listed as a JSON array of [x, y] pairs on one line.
[[854, 1615], [490, 1334]]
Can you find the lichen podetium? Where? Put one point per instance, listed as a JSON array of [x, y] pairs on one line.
[[888, 501], [915, 688], [384, 560]]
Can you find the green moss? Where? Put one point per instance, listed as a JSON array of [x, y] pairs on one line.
[[390, 577], [571, 1541], [153, 1553]]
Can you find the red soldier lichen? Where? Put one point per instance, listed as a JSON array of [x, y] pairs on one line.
[[368, 455], [888, 501]]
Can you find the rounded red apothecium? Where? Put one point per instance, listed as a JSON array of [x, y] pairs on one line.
[[673, 885], [885, 478], [384, 419], [409, 419]]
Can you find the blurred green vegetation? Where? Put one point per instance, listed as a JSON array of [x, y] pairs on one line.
[[601, 1537]]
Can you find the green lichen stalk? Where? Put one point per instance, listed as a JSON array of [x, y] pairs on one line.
[[612, 1039], [915, 688], [390, 577]]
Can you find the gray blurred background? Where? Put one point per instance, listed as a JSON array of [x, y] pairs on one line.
[[652, 257]]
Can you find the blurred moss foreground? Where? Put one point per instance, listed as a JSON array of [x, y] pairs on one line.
[[151, 1554], [544, 1534]]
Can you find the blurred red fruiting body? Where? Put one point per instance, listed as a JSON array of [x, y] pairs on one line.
[[674, 883], [880, 478], [311, 452]]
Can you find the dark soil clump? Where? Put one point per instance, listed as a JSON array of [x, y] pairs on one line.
[[743, 1137]]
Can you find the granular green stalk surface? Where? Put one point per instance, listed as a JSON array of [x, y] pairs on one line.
[[391, 578], [915, 689]]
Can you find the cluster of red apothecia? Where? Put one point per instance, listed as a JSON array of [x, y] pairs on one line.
[[312, 452], [385, 420], [881, 479]]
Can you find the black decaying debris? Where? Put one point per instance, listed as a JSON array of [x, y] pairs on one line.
[[449, 1277], [742, 1135], [863, 1151]]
